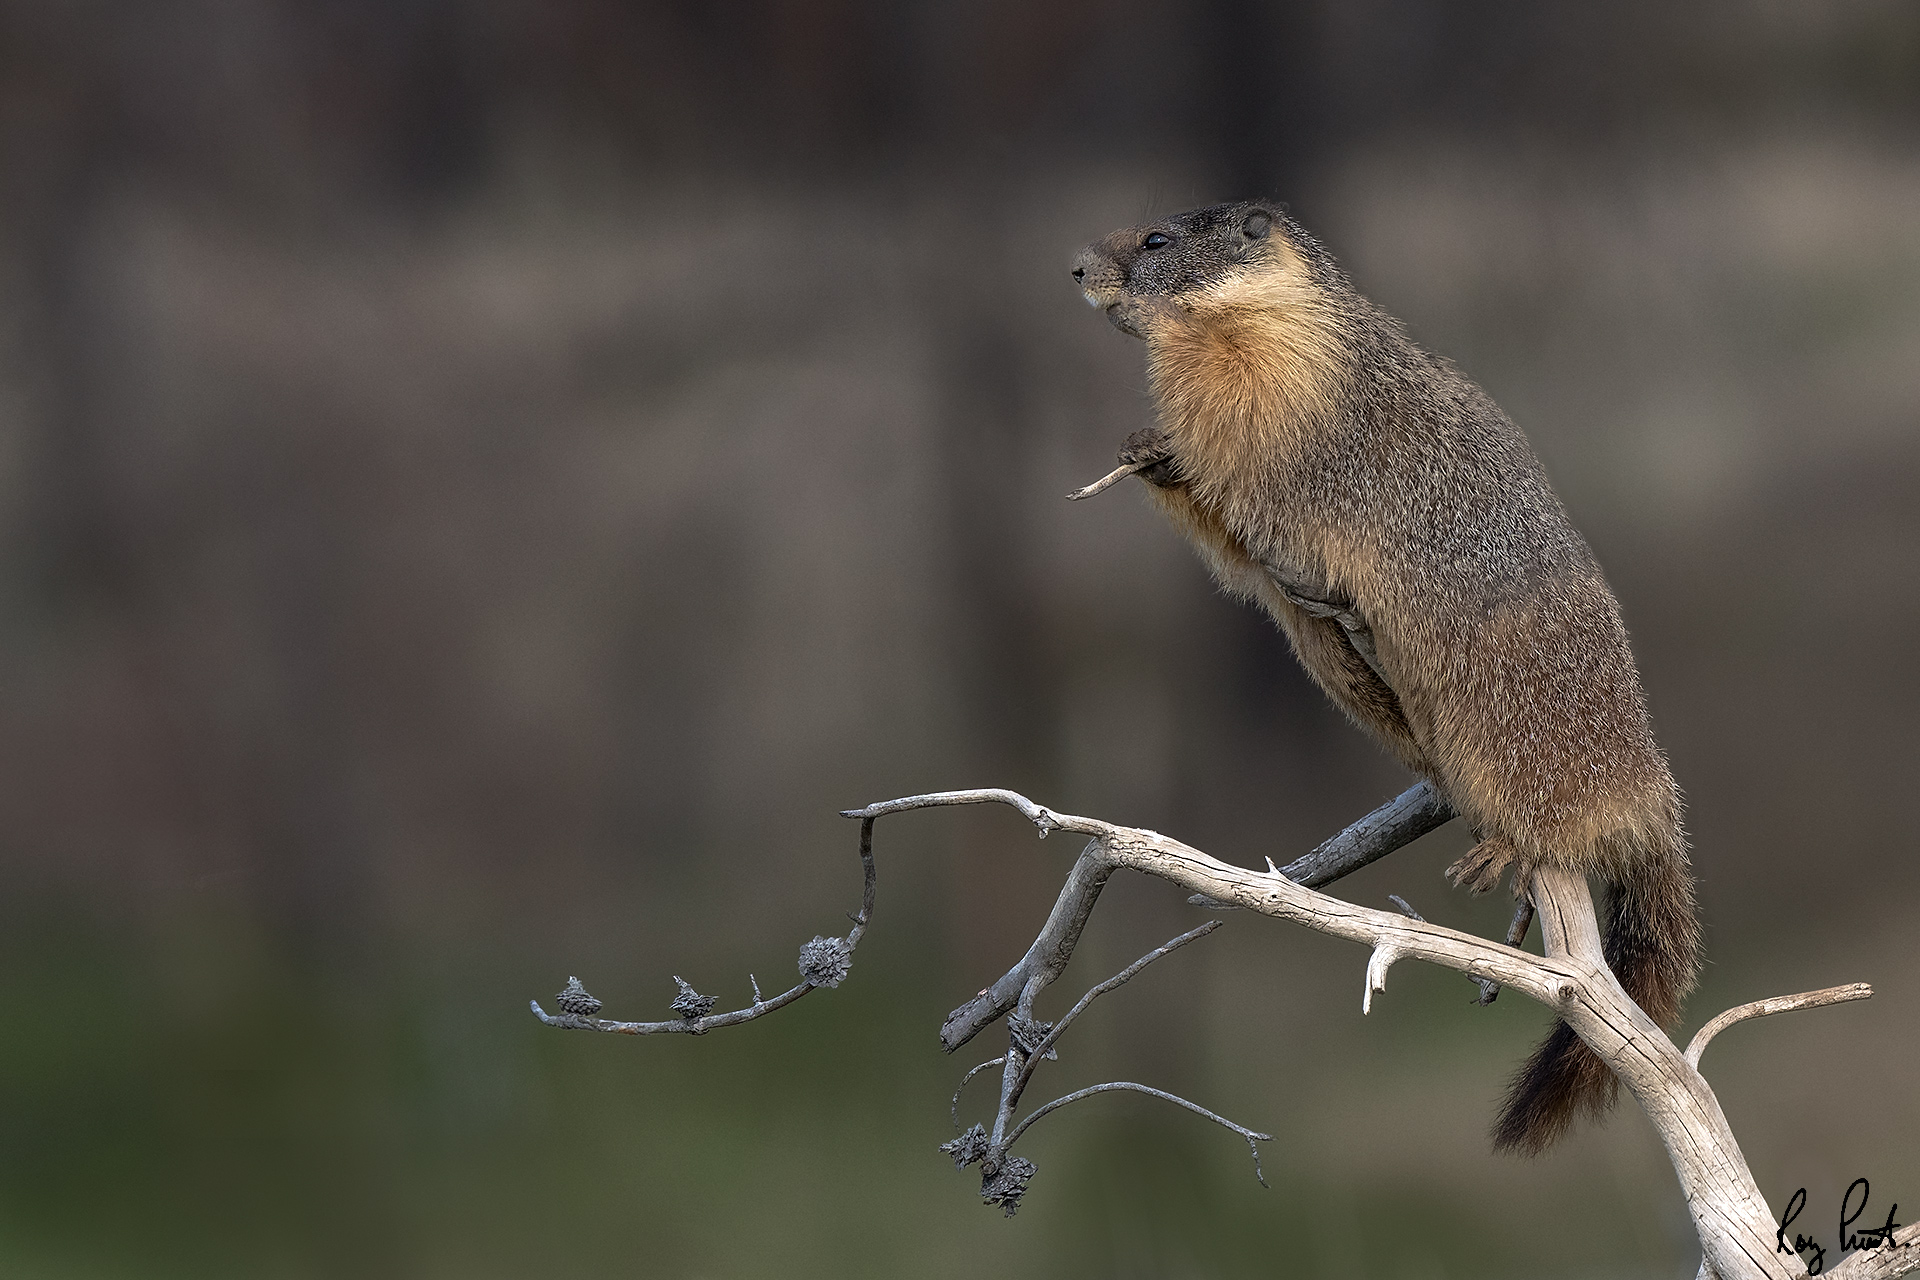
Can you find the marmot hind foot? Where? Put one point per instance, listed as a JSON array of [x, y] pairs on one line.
[[1480, 869]]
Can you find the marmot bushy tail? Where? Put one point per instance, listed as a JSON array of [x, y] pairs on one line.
[[1401, 532], [1650, 941]]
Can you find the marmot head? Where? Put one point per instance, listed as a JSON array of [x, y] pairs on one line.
[[1137, 273]]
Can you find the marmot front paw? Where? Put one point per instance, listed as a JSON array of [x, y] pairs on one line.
[[1153, 447]]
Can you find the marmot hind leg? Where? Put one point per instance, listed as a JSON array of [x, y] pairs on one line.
[[1479, 870]]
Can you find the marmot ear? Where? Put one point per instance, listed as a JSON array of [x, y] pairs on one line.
[[1257, 225]]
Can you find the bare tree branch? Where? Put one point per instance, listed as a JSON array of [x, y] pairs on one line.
[[1004, 1177], [684, 1026], [1899, 1258], [1251, 1137], [1111, 479], [823, 963], [954, 1110], [1516, 934], [1040, 1048], [1402, 820], [1774, 1004], [1735, 1227], [1044, 960], [1118, 980], [1038, 815], [1393, 825]]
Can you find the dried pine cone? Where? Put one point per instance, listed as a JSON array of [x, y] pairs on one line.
[[968, 1147], [690, 1004], [1007, 1186], [574, 999], [825, 962], [1027, 1033]]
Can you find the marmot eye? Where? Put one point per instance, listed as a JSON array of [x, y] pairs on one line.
[[1155, 241]]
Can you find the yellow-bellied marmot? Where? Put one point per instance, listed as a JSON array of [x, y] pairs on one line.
[[1397, 526]]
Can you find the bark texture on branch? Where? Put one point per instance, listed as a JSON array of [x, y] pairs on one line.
[[1738, 1235], [1393, 825], [1736, 1229]]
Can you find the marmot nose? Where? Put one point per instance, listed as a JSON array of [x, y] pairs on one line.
[[1088, 268]]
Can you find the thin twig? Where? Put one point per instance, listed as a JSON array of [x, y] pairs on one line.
[[1736, 1228], [685, 1026], [1251, 1137], [759, 1008], [1039, 815], [955, 1109], [1516, 934], [1119, 979], [1111, 479], [867, 887], [1774, 1004]]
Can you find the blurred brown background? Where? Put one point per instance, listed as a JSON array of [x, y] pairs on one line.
[[483, 483]]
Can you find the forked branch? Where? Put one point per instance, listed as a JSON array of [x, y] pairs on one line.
[[1393, 825], [1004, 1177], [1736, 1229]]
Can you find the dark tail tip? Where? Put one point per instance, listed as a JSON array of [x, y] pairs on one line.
[[1562, 1077], [1652, 941]]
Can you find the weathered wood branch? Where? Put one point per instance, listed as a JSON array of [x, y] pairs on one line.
[[824, 962], [1739, 1239], [1901, 1258], [1738, 1234], [1004, 1177], [1109, 480], [1042, 1047], [1252, 1139], [1775, 1004], [1044, 960], [1393, 825]]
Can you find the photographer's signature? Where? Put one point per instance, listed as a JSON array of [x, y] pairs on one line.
[[1880, 1237]]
